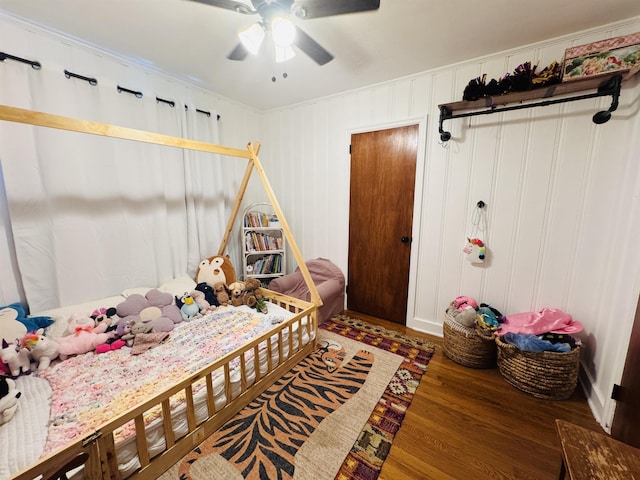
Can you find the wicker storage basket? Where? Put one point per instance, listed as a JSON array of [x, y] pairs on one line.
[[548, 375], [466, 346]]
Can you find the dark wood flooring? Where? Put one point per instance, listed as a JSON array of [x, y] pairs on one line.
[[468, 424]]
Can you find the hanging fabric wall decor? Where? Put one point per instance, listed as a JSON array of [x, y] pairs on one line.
[[476, 250]]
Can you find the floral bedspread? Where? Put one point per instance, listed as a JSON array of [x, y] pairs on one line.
[[89, 390]]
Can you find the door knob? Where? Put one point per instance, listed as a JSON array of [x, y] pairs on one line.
[[405, 239]]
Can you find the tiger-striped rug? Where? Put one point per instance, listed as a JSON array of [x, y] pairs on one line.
[[333, 416]]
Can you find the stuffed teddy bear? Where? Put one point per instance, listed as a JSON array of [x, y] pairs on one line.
[[236, 290], [216, 269], [9, 397], [15, 357], [80, 338], [17, 313], [42, 349], [156, 306], [222, 295], [252, 295]]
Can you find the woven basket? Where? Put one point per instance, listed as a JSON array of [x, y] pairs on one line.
[[466, 346], [548, 375]]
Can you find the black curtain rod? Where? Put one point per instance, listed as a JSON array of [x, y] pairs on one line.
[[35, 65], [208, 114], [132, 92], [91, 81], [168, 102]]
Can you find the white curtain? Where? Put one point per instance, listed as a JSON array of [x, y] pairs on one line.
[[91, 216]]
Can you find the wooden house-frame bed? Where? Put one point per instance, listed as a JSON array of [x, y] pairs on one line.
[[295, 338]]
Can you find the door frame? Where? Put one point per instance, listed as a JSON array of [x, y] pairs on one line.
[[417, 197]]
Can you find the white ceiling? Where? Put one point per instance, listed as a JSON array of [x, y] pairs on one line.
[[190, 40]]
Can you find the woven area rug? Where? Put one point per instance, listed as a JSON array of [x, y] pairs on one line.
[[333, 416]]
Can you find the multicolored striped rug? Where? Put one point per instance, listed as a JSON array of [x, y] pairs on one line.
[[333, 416], [370, 450]]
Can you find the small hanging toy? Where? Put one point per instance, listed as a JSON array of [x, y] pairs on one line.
[[476, 250]]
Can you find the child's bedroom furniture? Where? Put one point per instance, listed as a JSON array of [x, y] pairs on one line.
[[263, 247], [327, 278], [588, 455], [225, 384]]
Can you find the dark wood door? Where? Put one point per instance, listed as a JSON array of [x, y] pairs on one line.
[[626, 421], [383, 166]]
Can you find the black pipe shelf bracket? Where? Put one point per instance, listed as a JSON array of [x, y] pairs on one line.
[[605, 85]]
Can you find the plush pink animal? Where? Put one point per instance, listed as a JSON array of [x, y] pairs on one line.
[[81, 338]]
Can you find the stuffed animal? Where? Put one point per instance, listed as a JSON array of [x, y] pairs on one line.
[[222, 295], [189, 308], [106, 321], [80, 338], [16, 358], [236, 290], [209, 294], [252, 295], [156, 306], [462, 301], [9, 397], [201, 300], [16, 312], [42, 349], [135, 327], [216, 269]]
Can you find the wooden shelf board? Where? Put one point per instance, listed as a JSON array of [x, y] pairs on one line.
[[572, 86]]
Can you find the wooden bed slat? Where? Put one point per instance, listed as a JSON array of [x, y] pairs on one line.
[[141, 441], [167, 424]]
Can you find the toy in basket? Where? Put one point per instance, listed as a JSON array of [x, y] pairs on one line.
[[466, 342]]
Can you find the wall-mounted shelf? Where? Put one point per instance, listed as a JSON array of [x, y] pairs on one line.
[[605, 85]]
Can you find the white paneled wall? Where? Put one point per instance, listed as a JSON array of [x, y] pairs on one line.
[[561, 195]]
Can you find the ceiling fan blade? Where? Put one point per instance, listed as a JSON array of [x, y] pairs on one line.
[[238, 53], [229, 5], [326, 8], [312, 48]]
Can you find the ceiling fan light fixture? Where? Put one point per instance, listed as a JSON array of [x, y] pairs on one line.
[[283, 53], [283, 32], [252, 37]]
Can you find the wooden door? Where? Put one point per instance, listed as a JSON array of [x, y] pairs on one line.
[[626, 421], [383, 165]]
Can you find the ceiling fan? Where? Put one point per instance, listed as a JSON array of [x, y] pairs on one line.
[[274, 19]]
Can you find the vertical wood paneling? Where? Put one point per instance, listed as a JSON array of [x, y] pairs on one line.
[[550, 178]]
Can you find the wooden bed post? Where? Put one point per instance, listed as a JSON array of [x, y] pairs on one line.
[[315, 296], [236, 207]]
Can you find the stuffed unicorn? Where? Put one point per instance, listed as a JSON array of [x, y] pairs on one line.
[[15, 357], [41, 348]]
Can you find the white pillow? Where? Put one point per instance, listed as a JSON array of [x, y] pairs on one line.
[[179, 285]]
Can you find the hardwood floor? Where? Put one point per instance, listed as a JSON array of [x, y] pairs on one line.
[[471, 424]]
